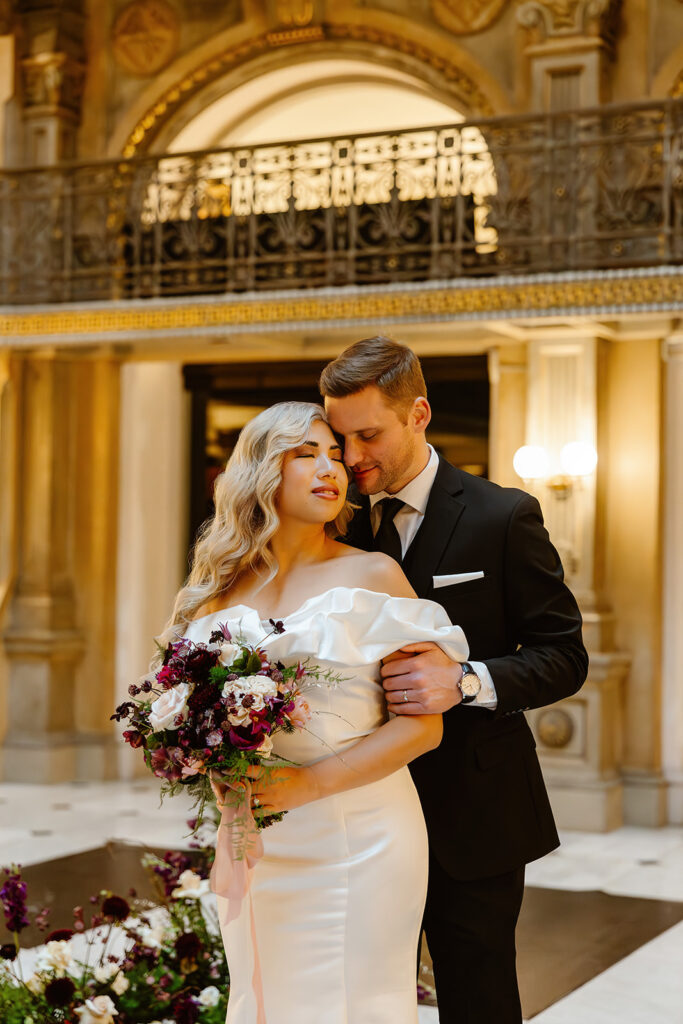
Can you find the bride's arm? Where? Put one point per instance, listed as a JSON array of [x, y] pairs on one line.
[[384, 751]]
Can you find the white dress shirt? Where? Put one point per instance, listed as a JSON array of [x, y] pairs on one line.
[[408, 521]]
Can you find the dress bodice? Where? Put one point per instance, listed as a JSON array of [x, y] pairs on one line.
[[347, 630]]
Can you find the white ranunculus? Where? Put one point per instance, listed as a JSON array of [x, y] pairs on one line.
[[120, 984], [55, 956], [238, 716], [192, 886], [98, 1010], [166, 708], [209, 996], [228, 654], [266, 747], [105, 973]]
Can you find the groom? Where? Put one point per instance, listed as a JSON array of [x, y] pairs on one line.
[[482, 552]]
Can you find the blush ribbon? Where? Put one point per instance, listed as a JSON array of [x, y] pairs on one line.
[[239, 847]]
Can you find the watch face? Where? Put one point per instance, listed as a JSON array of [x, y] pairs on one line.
[[470, 684]]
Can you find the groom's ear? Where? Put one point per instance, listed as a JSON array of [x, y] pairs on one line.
[[421, 414]]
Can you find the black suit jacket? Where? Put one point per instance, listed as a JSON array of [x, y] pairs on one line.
[[482, 791]]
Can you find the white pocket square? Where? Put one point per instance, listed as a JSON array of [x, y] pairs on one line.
[[456, 577]]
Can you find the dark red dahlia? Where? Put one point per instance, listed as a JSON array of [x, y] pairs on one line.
[[8, 951], [185, 1010], [116, 908], [199, 662], [60, 935], [60, 991], [188, 946]]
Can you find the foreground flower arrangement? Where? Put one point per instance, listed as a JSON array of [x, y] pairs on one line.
[[139, 962], [211, 712]]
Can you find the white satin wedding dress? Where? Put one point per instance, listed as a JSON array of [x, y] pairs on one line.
[[339, 894]]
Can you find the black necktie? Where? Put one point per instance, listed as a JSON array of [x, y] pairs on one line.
[[387, 538]]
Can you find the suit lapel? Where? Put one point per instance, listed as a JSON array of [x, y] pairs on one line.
[[441, 517]]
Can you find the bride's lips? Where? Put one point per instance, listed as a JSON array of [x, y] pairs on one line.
[[330, 493]]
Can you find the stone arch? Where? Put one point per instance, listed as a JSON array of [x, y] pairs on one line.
[[447, 72]]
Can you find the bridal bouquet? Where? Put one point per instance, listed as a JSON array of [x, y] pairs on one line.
[[212, 710]]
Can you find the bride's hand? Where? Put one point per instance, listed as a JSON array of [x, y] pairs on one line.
[[281, 789]]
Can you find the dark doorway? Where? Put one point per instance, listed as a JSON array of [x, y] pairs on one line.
[[225, 396]]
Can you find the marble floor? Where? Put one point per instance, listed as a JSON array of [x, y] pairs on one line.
[[43, 823]]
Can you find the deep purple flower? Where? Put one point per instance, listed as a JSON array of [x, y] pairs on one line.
[[133, 690], [8, 951], [60, 991], [13, 898], [146, 687], [165, 763], [278, 627], [116, 908], [124, 710], [199, 662]]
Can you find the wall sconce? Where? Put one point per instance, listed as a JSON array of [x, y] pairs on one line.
[[578, 459]]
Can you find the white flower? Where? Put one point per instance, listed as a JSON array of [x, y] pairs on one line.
[[99, 1010], [266, 747], [239, 715], [120, 984], [228, 654], [191, 886], [105, 973], [166, 708], [55, 956], [262, 686], [36, 984], [209, 996]]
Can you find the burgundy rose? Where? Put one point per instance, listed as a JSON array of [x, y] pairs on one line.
[[199, 662], [60, 991], [116, 908], [8, 951], [243, 738]]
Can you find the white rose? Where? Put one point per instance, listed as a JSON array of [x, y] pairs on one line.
[[266, 747], [55, 956], [120, 984], [105, 973], [228, 654], [209, 996], [191, 886], [99, 1010], [166, 708]]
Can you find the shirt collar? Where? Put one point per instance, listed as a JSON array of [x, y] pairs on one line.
[[416, 491]]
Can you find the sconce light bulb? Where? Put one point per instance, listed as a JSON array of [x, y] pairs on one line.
[[578, 458], [531, 462]]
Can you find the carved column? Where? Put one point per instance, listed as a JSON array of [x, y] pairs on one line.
[[42, 642], [51, 70], [579, 739], [672, 549], [569, 51]]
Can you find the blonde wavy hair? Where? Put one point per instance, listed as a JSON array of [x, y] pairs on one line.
[[237, 539]]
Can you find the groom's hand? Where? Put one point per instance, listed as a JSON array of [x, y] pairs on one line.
[[421, 680]]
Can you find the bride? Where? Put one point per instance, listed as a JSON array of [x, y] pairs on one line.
[[336, 901]]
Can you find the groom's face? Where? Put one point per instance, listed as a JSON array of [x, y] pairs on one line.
[[382, 445]]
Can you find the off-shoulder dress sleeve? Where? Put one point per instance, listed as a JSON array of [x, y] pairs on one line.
[[353, 626]]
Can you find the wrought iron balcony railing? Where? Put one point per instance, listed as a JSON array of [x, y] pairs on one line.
[[587, 189]]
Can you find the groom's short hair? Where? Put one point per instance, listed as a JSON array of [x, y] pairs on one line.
[[391, 367]]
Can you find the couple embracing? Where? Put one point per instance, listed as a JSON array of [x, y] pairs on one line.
[[416, 798]]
